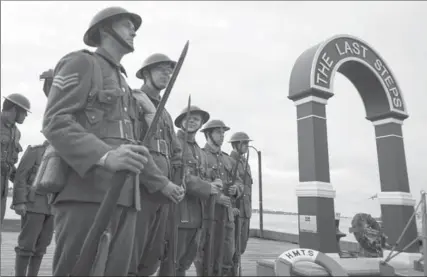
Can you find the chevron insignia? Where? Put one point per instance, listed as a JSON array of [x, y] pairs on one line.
[[63, 82]]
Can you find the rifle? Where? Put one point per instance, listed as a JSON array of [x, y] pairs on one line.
[[237, 257], [226, 212], [169, 262], [91, 246], [210, 233]]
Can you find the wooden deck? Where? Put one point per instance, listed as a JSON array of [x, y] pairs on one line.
[[257, 249]]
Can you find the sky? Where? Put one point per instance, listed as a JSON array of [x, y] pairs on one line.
[[238, 68]]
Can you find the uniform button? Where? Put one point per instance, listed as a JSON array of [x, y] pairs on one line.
[[123, 88], [126, 109], [93, 117]]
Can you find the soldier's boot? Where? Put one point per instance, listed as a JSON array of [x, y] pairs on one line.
[[34, 266], [21, 265]]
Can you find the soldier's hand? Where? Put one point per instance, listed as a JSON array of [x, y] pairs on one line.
[[216, 186], [232, 190], [224, 201], [236, 212], [20, 209], [173, 192], [127, 157]]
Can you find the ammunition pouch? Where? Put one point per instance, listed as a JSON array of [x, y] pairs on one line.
[[52, 173]]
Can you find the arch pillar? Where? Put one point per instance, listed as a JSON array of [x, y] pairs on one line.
[[397, 203], [314, 191]]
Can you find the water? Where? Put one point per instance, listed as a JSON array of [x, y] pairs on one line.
[[274, 222]]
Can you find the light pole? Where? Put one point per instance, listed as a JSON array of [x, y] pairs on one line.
[[261, 222]]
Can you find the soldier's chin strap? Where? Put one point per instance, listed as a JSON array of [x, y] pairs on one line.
[[110, 30], [213, 141]]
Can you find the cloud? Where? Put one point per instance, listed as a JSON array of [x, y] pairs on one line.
[[238, 68]]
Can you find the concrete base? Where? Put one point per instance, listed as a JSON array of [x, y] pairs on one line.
[[354, 267], [404, 258]]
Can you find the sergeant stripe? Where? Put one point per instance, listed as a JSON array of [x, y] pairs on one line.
[[63, 82]]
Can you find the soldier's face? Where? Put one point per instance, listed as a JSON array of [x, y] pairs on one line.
[[244, 146], [125, 29], [218, 135], [161, 75], [21, 114], [194, 122]]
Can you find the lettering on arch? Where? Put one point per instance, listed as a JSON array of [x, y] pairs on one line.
[[334, 52]]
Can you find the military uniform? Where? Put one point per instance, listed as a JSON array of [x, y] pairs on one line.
[[10, 148], [245, 202], [220, 165], [90, 111], [191, 208], [152, 219], [37, 223]]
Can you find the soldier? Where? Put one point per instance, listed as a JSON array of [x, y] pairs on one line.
[[14, 111], [33, 207], [220, 165], [191, 210], [91, 120], [165, 148], [240, 143]]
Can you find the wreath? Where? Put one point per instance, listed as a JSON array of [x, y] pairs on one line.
[[368, 233]]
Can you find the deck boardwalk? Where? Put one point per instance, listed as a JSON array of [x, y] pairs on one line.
[[257, 249]]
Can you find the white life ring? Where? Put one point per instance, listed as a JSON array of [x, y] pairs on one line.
[[285, 262]]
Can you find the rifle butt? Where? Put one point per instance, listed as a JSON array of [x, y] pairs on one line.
[[100, 263], [103, 217]]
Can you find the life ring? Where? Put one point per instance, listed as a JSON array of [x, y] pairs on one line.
[[285, 262]]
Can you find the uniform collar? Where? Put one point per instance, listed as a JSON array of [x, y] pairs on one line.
[[103, 53], [190, 139], [6, 122], [235, 155], [211, 149], [151, 93]]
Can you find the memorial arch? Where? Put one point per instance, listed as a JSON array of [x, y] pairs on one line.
[[311, 85]]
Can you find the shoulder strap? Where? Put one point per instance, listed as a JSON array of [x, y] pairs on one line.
[[97, 80]]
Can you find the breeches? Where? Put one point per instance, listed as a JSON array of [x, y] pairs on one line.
[[73, 221], [36, 234]]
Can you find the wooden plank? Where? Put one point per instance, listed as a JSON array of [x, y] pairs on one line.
[[257, 249]]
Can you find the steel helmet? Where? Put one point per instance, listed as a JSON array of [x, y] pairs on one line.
[[19, 100], [193, 109], [91, 37], [215, 123], [47, 76], [239, 136], [153, 60]]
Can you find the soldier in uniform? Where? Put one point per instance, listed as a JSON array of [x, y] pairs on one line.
[[92, 121], [33, 207], [240, 143], [14, 111], [166, 151], [36, 217], [190, 210], [220, 165]]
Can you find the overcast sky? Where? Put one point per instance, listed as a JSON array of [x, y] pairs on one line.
[[238, 68]]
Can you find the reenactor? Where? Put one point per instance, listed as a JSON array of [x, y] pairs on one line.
[[240, 143], [91, 120], [33, 207], [14, 111], [220, 165], [191, 208], [164, 147]]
